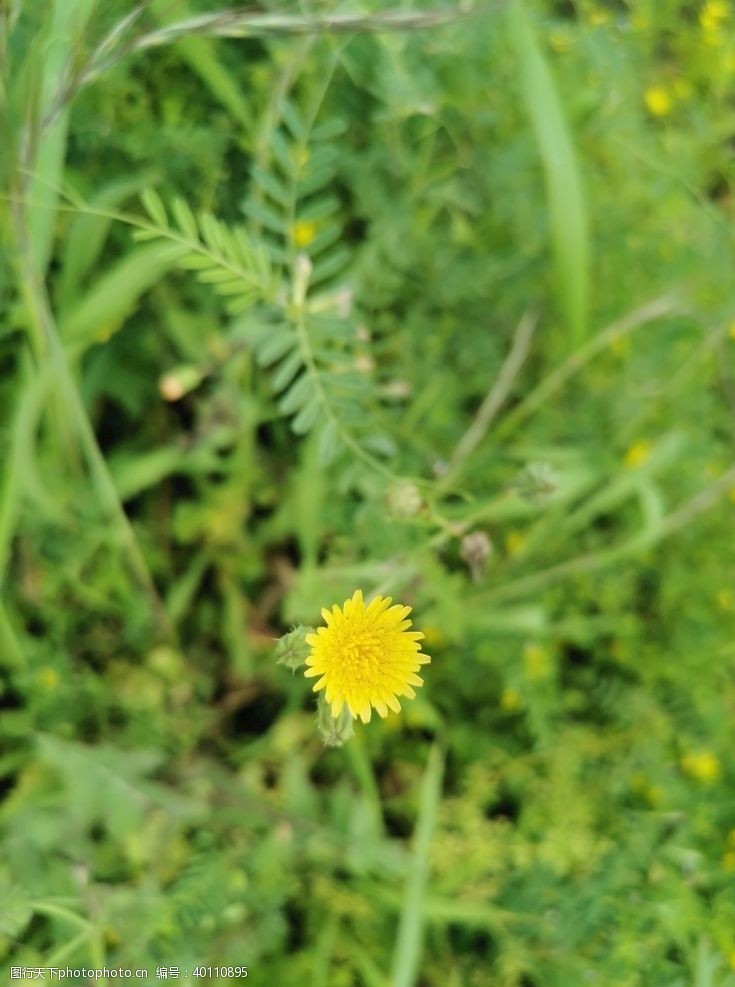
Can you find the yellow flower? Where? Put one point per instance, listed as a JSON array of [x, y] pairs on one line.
[[366, 656], [537, 664], [637, 454], [599, 17], [514, 541], [561, 41], [511, 700], [658, 101], [48, 678], [712, 14], [704, 767], [303, 232]]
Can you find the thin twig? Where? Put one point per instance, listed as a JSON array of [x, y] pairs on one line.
[[495, 397], [576, 361], [594, 561]]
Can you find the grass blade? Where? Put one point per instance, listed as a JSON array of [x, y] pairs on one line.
[[407, 952], [567, 213]]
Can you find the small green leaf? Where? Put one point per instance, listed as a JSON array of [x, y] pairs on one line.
[[272, 347], [307, 416], [287, 370], [155, 208], [297, 395], [328, 444], [185, 218]]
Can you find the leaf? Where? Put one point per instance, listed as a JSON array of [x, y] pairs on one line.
[[297, 395], [408, 944], [104, 307], [155, 208], [212, 232], [16, 910], [109, 785], [271, 184], [287, 371], [307, 416], [319, 208], [328, 443], [87, 233], [274, 346], [266, 216], [66, 23], [185, 218], [567, 210], [293, 121], [330, 265]]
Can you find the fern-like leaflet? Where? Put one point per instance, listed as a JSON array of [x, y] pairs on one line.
[[285, 263]]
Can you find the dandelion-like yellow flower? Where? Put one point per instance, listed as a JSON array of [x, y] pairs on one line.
[[303, 232], [366, 656], [704, 767], [637, 454], [658, 101]]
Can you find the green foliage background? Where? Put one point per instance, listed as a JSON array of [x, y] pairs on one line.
[[295, 313]]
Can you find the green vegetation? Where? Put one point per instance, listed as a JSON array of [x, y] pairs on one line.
[[434, 304]]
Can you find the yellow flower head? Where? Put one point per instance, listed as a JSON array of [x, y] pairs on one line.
[[712, 14], [366, 656], [658, 101], [637, 454], [704, 767], [303, 232]]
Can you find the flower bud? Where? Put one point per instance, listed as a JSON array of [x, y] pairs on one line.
[[292, 649], [333, 731], [404, 499], [176, 383], [475, 549]]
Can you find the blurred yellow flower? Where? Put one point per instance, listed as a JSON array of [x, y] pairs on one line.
[[560, 40], [728, 861], [514, 542], [704, 767], [731, 495], [654, 796], [598, 17], [725, 599], [536, 662], [658, 101], [301, 156], [511, 700], [731, 331], [48, 678], [637, 454], [366, 656], [712, 15], [303, 232]]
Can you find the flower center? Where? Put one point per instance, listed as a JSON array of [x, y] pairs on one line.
[[362, 656]]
